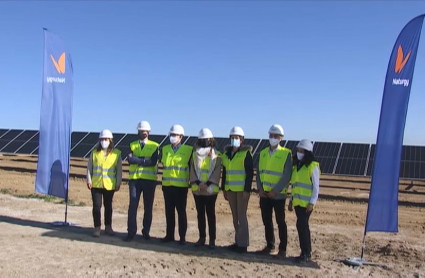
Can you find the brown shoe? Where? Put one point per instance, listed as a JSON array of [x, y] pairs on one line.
[[266, 251], [109, 231], [281, 254], [96, 232]]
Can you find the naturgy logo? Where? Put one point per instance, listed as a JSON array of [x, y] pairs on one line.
[[60, 67], [400, 62]]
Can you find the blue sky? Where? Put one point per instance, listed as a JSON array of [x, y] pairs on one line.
[[315, 67]]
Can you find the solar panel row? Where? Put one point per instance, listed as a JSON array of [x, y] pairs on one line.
[[335, 158]]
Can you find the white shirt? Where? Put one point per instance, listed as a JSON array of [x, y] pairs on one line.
[[315, 178]]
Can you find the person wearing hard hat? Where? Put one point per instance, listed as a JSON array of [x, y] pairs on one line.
[[274, 171], [305, 192], [175, 158], [205, 173], [236, 184], [143, 160], [104, 176]]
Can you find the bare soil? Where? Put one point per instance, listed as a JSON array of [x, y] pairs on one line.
[[31, 246]]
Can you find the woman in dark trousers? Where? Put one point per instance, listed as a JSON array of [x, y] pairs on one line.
[[205, 172], [104, 175], [305, 191]]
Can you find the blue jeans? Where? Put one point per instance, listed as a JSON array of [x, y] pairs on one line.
[[136, 187]]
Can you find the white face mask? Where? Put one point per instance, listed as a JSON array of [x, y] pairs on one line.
[[203, 152], [273, 141], [300, 156], [174, 139], [235, 142], [104, 144]]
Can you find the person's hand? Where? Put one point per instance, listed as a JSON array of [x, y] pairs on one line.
[[290, 208], [262, 194], [225, 195], [203, 187], [309, 207], [117, 187], [130, 155], [245, 195], [272, 194], [89, 185]]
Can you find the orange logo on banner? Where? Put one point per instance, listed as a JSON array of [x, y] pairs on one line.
[[401, 60], [60, 64]]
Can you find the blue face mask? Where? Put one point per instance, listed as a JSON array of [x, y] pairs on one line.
[[235, 142]]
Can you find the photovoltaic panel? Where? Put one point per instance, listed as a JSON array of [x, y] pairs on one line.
[[124, 144], [3, 131], [191, 141], [291, 144], [413, 162], [352, 159], [85, 145], [326, 153], [371, 159], [30, 146], [221, 143], [76, 137], [8, 137], [19, 141]]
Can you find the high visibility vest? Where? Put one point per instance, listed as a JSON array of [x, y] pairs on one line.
[[105, 169], [235, 171], [302, 186], [142, 172], [176, 166], [205, 169], [271, 167]]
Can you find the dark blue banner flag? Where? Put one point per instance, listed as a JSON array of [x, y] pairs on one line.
[[382, 213], [55, 119]]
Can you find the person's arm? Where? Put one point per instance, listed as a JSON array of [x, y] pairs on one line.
[[286, 175], [249, 171], [193, 178], [223, 178], [119, 171], [315, 178], [257, 177], [149, 161], [89, 169]]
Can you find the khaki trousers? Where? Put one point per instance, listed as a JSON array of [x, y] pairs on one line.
[[239, 208]]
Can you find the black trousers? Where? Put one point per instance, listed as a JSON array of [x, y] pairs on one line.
[[136, 188], [175, 198], [267, 206], [303, 229], [97, 194], [206, 204]]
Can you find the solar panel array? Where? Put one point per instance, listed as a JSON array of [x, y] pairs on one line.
[[347, 159]]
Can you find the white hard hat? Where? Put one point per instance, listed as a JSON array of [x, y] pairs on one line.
[[177, 129], [276, 129], [306, 145], [205, 133], [106, 133], [237, 130], [144, 125]]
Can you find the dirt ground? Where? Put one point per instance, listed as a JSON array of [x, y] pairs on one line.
[[31, 246]]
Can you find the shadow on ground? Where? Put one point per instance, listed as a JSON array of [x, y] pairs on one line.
[[84, 234]]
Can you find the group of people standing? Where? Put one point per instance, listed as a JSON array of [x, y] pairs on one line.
[[199, 168]]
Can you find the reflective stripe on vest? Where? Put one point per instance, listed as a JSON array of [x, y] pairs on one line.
[[138, 172], [205, 169], [271, 167], [235, 171], [105, 169], [302, 186], [176, 166]]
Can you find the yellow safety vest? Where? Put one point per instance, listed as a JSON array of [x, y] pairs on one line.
[[105, 169], [205, 169], [271, 167], [140, 172], [235, 171], [176, 166], [302, 186]]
